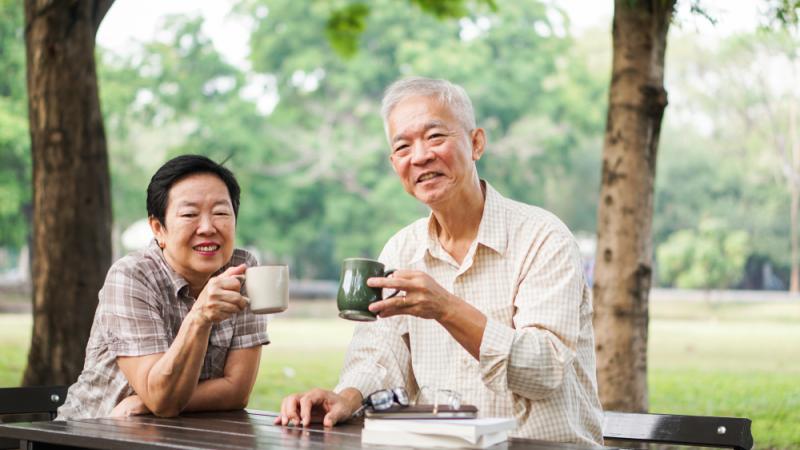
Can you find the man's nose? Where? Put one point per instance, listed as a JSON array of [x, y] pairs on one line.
[[420, 153]]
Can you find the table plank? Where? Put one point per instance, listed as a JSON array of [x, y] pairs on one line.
[[234, 430]]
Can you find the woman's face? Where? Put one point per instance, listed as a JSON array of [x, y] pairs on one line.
[[199, 230]]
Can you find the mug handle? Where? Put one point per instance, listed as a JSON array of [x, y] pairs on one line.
[[386, 273]]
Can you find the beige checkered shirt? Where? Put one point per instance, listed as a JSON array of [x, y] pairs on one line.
[[537, 360], [142, 305]]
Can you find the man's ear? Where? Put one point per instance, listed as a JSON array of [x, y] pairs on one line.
[[478, 140]]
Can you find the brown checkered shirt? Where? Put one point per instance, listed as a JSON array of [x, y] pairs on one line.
[[142, 305]]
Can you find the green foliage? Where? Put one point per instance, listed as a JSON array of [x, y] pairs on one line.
[[710, 257], [345, 26], [720, 148], [317, 183], [785, 12], [15, 158]]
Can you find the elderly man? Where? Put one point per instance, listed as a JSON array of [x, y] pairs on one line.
[[495, 307]]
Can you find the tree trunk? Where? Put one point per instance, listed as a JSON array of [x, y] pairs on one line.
[[623, 264], [71, 192]]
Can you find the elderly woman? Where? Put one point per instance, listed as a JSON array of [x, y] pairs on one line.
[[172, 331]]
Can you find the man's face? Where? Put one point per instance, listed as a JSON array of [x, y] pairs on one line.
[[200, 227], [431, 151]]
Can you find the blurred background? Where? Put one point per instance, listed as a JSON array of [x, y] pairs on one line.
[[299, 125], [256, 83]]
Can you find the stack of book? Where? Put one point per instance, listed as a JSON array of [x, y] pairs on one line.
[[450, 433]]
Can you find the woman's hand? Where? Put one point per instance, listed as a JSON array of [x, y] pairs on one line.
[[221, 296], [424, 297], [130, 406]]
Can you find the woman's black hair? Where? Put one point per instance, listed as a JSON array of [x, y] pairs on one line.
[[178, 168]]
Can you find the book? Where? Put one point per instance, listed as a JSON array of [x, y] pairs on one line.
[[408, 439], [424, 412], [472, 433]]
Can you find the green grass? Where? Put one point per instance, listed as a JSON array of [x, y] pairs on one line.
[[730, 368], [704, 359]]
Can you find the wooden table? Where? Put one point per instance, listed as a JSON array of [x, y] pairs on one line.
[[244, 429]]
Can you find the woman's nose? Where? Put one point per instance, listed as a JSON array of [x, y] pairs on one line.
[[206, 224]]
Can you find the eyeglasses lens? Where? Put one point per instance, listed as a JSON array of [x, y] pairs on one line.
[[381, 400]]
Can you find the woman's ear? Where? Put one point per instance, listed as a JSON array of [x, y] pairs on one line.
[[159, 231]]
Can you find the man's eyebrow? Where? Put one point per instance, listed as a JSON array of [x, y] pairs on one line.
[[427, 126]]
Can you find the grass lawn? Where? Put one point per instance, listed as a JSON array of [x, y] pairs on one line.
[[732, 359]]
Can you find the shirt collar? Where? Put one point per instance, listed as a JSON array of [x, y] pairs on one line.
[[177, 282], [492, 231]]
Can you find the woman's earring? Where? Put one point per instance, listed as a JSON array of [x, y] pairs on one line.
[[161, 245]]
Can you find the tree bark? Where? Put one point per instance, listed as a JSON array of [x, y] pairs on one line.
[[623, 266], [71, 192]]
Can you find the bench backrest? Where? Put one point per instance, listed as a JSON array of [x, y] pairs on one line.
[[29, 403], [702, 431], [32, 399]]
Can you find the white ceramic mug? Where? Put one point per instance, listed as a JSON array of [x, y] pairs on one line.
[[267, 288]]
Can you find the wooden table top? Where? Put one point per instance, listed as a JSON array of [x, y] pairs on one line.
[[243, 429]]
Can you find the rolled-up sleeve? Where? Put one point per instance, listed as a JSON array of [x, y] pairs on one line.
[[131, 314], [377, 357], [532, 357]]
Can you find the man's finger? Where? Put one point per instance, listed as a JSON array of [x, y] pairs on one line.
[[395, 303], [338, 413], [388, 283], [288, 406], [306, 406]]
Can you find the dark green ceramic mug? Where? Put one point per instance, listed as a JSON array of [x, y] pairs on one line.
[[354, 295]]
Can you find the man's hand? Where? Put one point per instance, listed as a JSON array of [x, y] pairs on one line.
[[424, 297], [130, 406], [221, 297], [318, 405]]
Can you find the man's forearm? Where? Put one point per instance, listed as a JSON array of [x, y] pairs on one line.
[[466, 324], [173, 378]]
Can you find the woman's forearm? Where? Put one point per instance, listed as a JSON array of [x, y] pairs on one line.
[[173, 378], [232, 390]]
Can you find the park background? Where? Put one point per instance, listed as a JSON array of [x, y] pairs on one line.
[[299, 125]]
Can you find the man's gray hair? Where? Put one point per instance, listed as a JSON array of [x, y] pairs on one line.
[[453, 96]]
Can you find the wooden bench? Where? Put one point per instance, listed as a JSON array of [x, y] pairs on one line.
[[29, 403], [700, 431]]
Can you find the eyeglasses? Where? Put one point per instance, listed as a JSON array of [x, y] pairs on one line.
[[447, 397], [384, 399]]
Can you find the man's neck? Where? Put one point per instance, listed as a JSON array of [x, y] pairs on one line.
[[458, 222]]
